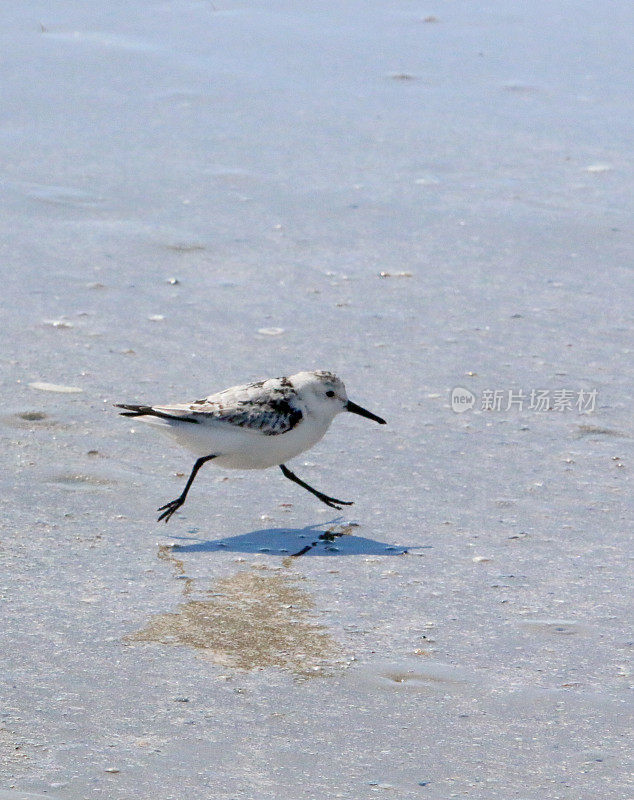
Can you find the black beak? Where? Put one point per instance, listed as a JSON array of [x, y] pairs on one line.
[[350, 406]]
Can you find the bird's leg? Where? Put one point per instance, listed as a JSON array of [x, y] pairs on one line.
[[329, 501], [169, 508]]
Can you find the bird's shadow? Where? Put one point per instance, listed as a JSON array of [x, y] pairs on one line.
[[330, 539]]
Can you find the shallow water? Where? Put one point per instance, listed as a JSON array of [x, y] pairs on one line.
[[420, 198]]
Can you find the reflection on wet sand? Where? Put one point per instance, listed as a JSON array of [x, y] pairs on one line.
[[335, 539], [332, 534], [248, 620]]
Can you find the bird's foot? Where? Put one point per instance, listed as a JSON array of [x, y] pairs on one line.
[[333, 502], [169, 508]]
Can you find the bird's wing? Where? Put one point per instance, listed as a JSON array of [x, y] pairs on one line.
[[256, 408]]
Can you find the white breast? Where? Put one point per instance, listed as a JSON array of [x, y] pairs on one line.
[[238, 447]]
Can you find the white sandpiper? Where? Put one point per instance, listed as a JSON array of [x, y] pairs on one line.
[[254, 426]]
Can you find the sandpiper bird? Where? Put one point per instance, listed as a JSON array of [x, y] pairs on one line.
[[254, 426]]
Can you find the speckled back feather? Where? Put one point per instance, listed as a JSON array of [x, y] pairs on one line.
[[269, 407]]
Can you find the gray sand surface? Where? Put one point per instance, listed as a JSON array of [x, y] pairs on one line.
[[419, 197]]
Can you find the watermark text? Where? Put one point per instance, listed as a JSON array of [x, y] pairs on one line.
[[583, 401]]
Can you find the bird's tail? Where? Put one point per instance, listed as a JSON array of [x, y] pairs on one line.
[[148, 411]]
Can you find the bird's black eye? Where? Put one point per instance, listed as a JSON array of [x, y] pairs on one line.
[[330, 393]]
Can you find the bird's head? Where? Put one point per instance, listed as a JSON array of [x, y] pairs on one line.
[[325, 396]]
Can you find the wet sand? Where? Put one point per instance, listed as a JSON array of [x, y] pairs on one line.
[[419, 198]]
